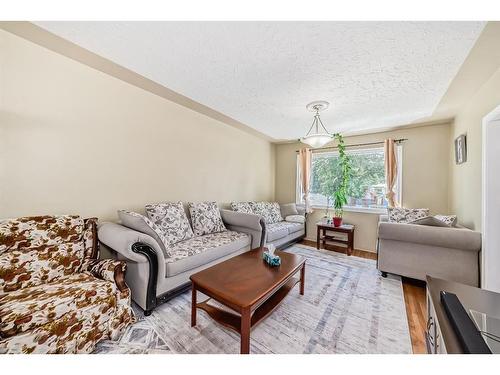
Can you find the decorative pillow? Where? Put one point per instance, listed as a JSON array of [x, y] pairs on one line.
[[142, 224], [406, 215], [270, 211], [206, 218], [431, 221], [242, 207], [274, 212], [172, 221], [450, 220], [295, 219], [289, 209], [259, 208]]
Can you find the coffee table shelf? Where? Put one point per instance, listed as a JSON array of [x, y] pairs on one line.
[[246, 289], [233, 321]]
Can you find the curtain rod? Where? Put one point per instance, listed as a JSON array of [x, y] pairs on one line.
[[401, 140]]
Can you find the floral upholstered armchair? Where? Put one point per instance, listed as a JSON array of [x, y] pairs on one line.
[[55, 295]]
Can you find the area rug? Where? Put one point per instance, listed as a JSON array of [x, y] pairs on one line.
[[347, 308]]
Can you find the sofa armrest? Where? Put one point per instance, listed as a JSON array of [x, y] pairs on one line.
[[250, 224], [109, 270], [453, 238], [301, 210], [242, 219], [122, 239]]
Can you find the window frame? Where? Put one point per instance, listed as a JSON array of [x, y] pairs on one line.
[[371, 210]]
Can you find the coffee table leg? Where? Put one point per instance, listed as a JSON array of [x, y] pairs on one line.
[[245, 331], [193, 305], [302, 279], [318, 237]]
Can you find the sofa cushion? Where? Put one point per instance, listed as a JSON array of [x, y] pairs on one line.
[[41, 249], [294, 227], [141, 223], [276, 231], [30, 267], [406, 215], [201, 250], [29, 308], [172, 221], [206, 218], [242, 207], [36, 231], [296, 219]]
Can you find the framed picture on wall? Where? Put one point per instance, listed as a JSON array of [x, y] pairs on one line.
[[461, 149]]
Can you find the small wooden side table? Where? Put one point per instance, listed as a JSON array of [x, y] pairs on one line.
[[344, 228]]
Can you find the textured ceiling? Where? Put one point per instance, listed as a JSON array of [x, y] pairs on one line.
[[374, 74]]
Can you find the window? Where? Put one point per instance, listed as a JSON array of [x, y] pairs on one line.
[[367, 187]]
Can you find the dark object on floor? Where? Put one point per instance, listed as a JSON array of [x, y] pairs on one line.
[[471, 340], [384, 274]]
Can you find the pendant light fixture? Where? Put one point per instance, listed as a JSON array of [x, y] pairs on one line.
[[317, 136]]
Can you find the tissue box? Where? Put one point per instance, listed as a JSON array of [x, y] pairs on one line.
[[272, 260]]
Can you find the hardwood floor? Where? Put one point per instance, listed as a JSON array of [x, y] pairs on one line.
[[414, 293]]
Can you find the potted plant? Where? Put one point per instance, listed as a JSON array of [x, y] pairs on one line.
[[340, 193]]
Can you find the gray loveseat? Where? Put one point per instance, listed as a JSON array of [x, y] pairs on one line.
[[278, 230], [152, 275], [415, 251]]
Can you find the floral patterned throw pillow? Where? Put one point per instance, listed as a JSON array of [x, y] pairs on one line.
[[270, 211], [206, 218], [274, 212], [172, 221], [406, 215], [242, 207]]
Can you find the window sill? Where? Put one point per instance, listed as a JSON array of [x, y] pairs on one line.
[[364, 210]]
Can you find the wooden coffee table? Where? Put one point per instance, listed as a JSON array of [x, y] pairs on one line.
[[249, 287]]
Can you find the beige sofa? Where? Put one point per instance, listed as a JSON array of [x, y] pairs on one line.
[[277, 230], [153, 276], [415, 251]]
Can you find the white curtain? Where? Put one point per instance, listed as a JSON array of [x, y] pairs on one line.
[[305, 175]]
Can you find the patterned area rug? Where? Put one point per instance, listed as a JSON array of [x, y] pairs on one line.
[[347, 308]]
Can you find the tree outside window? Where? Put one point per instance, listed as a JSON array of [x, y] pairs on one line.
[[367, 185]]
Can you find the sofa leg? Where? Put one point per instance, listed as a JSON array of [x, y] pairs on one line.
[[148, 312], [383, 273]]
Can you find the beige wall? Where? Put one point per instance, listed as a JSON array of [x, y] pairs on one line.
[[426, 157], [465, 187], [75, 140]]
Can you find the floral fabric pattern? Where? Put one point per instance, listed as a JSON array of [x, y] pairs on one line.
[[49, 301], [406, 215], [270, 211], [274, 227], [198, 245], [172, 221], [35, 266], [105, 269], [206, 218], [274, 212], [35, 231], [242, 207], [142, 224]]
